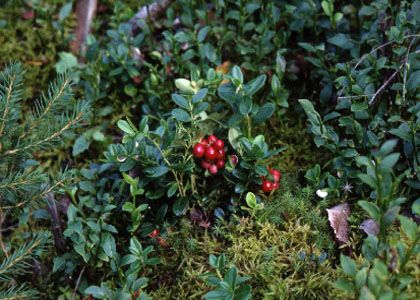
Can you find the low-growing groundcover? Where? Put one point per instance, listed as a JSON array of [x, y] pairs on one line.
[[218, 150]]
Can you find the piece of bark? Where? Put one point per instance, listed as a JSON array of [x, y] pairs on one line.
[[151, 12], [85, 12]]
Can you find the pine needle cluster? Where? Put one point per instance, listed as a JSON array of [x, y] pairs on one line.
[[23, 184]]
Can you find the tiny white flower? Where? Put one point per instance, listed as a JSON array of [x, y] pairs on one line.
[[322, 193], [339, 174], [136, 144], [121, 158]]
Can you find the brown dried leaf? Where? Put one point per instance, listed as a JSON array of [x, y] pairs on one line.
[[370, 226], [338, 216]]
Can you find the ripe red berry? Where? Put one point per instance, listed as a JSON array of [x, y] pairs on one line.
[[154, 233], [205, 164], [275, 186], [219, 145], [211, 153], [234, 159], [213, 169], [204, 142], [221, 154], [212, 139], [267, 186], [276, 174], [220, 164], [199, 150]]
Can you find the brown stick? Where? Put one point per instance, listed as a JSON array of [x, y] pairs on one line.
[[85, 12]]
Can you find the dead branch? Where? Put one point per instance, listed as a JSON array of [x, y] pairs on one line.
[[85, 12]]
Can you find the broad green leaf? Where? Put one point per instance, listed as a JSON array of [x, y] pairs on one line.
[[264, 113], [180, 206], [357, 107], [200, 95], [125, 126], [181, 115], [342, 41], [387, 163], [155, 172], [255, 85], [344, 284], [409, 227], [251, 200], [233, 135], [172, 190], [245, 106], [80, 145], [181, 101], [371, 208], [369, 180], [348, 265], [202, 33], [65, 11], [327, 7], [237, 73], [66, 62], [96, 292], [416, 207]]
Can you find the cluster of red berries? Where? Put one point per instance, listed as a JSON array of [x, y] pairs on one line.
[[268, 185], [212, 153]]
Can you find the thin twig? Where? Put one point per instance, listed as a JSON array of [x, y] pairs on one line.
[[381, 46], [20, 204], [49, 138], [7, 103], [354, 97], [2, 217], [372, 101], [405, 69], [78, 282]]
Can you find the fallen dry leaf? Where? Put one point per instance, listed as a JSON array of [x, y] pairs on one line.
[[370, 226], [338, 216]]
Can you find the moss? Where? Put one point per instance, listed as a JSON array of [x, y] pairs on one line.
[[34, 42], [284, 264], [290, 130], [283, 261]]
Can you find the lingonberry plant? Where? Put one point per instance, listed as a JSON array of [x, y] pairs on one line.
[[169, 161]]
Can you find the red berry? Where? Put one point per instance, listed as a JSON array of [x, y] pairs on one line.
[[154, 233], [221, 154], [213, 169], [276, 174], [27, 15], [212, 139], [204, 142], [219, 144], [220, 164], [234, 159], [275, 186], [205, 164], [267, 186], [199, 150], [211, 153], [137, 79]]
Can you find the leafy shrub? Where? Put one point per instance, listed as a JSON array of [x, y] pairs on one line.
[[162, 158]]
